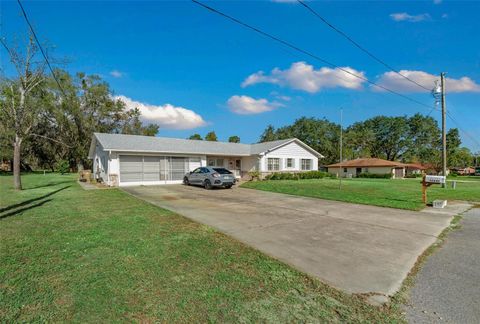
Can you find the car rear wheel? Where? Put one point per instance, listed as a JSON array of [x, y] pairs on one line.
[[207, 184], [186, 182]]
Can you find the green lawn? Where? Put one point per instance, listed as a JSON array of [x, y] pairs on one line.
[[404, 194], [102, 255]]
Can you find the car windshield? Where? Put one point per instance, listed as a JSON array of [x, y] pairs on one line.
[[222, 171]]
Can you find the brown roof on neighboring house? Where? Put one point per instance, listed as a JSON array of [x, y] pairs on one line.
[[367, 162], [417, 166]]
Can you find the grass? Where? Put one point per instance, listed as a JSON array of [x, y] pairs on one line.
[[403, 194], [99, 256]]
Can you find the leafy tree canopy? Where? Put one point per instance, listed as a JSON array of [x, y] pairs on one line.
[[211, 136], [196, 137], [234, 139]]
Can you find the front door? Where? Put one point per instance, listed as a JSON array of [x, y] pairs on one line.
[[398, 173], [235, 166]]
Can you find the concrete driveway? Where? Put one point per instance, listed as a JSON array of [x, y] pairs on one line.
[[356, 248]]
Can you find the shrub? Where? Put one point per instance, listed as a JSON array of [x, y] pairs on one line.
[[281, 176], [63, 166], [313, 175], [297, 176], [414, 175], [374, 175], [254, 175]]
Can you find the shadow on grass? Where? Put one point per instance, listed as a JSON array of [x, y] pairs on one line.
[[29, 201], [50, 184], [21, 210]]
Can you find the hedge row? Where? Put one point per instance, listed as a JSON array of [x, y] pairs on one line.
[[297, 176], [374, 175]]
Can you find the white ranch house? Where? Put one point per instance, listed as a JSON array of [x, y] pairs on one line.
[[123, 160]]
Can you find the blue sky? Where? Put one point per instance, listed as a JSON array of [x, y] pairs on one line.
[[192, 71]]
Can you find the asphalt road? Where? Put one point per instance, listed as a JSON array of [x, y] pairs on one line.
[[447, 288]]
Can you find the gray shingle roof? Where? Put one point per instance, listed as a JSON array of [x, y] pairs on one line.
[[120, 142]]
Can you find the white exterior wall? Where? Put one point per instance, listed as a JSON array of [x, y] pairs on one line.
[[101, 165], [292, 150], [250, 163], [114, 168]]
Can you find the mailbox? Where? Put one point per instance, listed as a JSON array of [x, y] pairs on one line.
[[434, 179]]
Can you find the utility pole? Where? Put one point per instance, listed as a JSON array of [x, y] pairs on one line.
[[341, 147], [444, 131]]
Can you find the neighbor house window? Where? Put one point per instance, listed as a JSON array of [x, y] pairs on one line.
[[306, 164], [290, 163], [273, 164], [345, 170]]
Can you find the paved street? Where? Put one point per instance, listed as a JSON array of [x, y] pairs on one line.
[[447, 288]]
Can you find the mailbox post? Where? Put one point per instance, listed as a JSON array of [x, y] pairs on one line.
[[429, 180]]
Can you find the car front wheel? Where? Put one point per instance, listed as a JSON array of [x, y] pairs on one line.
[[185, 181], [228, 187], [207, 184]]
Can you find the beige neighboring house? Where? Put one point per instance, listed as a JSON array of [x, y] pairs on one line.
[[352, 168]]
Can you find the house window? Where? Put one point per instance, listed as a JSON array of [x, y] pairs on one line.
[[273, 164], [345, 170], [306, 164], [290, 163], [215, 162]]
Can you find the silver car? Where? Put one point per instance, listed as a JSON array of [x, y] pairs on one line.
[[210, 177]]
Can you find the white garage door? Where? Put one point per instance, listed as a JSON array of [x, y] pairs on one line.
[[131, 168], [144, 169]]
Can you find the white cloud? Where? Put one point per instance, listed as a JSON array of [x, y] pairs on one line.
[[117, 74], [396, 82], [437, 2], [302, 76], [284, 98], [245, 105], [167, 115], [403, 16], [444, 16]]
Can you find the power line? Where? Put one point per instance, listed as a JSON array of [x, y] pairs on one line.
[[473, 139], [376, 58], [40, 47], [305, 52]]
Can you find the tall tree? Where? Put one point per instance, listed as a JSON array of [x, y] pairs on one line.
[[462, 157], [133, 126], [234, 139], [454, 157], [20, 98], [196, 136], [211, 136], [320, 134], [268, 134], [424, 135]]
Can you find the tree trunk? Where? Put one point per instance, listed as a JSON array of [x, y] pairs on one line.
[[17, 180]]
